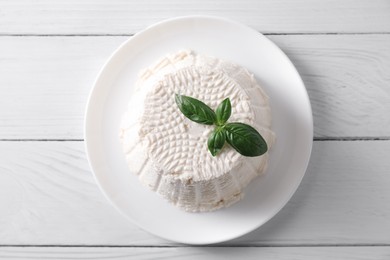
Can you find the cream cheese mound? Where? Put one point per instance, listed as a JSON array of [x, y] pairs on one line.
[[169, 152]]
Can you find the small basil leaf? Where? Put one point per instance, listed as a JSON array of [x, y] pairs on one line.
[[195, 110], [216, 141], [224, 110], [245, 139]]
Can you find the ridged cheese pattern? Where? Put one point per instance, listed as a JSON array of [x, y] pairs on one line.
[[169, 152]]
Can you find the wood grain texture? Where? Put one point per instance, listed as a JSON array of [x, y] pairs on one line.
[[348, 81], [48, 197], [45, 82], [194, 253], [127, 17]]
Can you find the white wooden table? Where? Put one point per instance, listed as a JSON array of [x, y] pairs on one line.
[[50, 54]]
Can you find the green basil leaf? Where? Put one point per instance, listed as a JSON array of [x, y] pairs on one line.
[[195, 110], [224, 110], [216, 141], [245, 139]]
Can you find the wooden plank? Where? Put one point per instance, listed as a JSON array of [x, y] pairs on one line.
[[45, 82], [193, 253], [126, 17], [48, 197], [342, 199], [347, 80]]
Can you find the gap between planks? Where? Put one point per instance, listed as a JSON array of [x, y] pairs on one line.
[[132, 34], [209, 246]]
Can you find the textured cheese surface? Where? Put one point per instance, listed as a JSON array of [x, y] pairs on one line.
[[169, 152]]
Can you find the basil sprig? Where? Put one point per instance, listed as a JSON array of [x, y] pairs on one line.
[[242, 137]]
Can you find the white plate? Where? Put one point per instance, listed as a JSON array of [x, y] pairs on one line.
[[291, 114]]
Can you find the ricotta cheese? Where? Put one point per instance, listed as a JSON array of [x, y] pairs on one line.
[[169, 152]]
